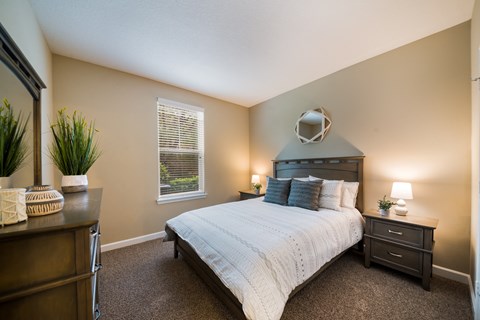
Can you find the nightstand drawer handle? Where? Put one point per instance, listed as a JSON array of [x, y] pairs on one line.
[[395, 232], [395, 254]]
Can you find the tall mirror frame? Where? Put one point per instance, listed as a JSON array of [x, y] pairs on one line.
[[13, 58]]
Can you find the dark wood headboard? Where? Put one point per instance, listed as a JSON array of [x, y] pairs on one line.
[[341, 168]]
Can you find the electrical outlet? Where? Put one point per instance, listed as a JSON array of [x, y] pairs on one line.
[[477, 288]]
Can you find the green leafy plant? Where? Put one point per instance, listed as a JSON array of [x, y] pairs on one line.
[[13, 147], [257, 186], [385, 204], [182, 185], [164, 173], [73, 150]]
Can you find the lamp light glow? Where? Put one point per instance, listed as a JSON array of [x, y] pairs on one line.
[[401, 191], [256, 183]]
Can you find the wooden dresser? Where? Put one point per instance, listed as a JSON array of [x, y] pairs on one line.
[[403, 243], [49, 264]]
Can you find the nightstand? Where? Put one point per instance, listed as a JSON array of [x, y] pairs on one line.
[[250, 194], [403, 243]]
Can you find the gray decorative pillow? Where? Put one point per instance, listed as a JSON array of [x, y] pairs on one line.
[[305, 194], [277, 191]]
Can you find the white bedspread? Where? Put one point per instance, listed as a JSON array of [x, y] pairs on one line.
[[262, 251]]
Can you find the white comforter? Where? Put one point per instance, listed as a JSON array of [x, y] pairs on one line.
[[262, 251]]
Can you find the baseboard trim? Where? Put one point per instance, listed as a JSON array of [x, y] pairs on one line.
[[459, 277], [451, 274], [132, 241]]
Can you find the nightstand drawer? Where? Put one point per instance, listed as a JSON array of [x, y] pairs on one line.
[[250, 194], [409, 235], [246, 196], [400, 257]]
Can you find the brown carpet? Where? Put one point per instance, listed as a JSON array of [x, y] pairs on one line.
[[145, 282]]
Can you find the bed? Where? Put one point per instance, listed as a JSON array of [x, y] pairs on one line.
[[281, 243]]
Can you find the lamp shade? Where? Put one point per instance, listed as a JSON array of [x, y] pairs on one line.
[[255, 178], [402, 190]]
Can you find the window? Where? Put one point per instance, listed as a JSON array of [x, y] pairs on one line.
[[180, 151]]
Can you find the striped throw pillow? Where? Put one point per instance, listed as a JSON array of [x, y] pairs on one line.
[[277, 191], [331, 194], [305, 194]]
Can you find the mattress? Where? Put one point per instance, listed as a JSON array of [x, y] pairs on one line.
[[262, 251]]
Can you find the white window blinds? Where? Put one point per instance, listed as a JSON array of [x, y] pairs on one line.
[[181, 150]]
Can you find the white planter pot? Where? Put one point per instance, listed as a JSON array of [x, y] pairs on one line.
[[5, 182], [384, 212], [71, 184]]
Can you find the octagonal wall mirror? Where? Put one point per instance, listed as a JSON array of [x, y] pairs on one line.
[[312, 126]]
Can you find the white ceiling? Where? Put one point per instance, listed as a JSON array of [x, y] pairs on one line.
[[241, 51]]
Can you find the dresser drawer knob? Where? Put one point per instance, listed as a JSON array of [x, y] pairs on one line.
[[395, 254], [395, 232]]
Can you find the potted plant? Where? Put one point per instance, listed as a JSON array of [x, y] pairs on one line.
[[73, 149], [384, 206], [257, 186], [13, 147]]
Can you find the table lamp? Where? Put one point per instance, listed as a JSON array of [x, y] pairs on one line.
[[401, 191], [255, 179]]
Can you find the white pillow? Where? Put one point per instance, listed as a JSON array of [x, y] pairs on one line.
[[312, 178], [330, 194], [302, 179], [349, 194]]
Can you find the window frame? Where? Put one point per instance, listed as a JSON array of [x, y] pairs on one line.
[[189, 195]]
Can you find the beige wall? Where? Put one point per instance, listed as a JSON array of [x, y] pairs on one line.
[[124, 108], [19, 20], [475, 73], [408, 112]]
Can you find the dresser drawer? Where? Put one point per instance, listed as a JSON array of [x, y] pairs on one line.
[[38, 259], [400, 257], [409, 235]]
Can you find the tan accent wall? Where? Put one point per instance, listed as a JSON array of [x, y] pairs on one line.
[[124, 108], [21, 24], [475, 73], [408, 112]]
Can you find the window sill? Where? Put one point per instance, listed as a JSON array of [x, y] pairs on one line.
[[181, 197]]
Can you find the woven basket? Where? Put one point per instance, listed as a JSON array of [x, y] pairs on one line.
[[42, 200]]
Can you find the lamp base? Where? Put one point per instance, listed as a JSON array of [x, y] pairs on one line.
[[401, 208]]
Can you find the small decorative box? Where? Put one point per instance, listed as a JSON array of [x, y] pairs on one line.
[[12, 206], [42, 200]]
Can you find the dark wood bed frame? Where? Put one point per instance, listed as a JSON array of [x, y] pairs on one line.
[[342, 168]]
